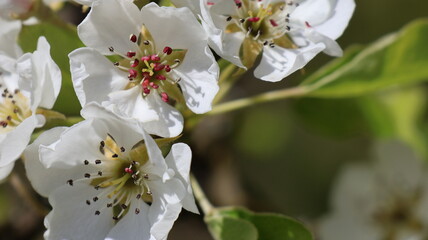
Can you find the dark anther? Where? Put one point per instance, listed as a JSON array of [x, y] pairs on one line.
[[122, 149], [97, 212], [100, 173], [88, 202], [124, 206], [111, 49], [86, 162], [87, 175], [97, 161], [114, 155], [95, 199], [137, 211], [229, 18], [70, 182]]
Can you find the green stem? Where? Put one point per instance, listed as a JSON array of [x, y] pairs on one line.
[[262, 98], [24, 193], [206, 206], [228, 76]]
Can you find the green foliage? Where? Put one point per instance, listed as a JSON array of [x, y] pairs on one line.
[[63, 39], [396, 59], [240, 223]]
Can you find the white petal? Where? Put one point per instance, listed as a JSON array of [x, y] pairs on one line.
[[332, 48], [399, 167], [340, 227], [9, 37], [13, 143], [179, 159], [314, 12], [193, 5], [156, 163], [94, 76], [336, 24], [72, 218], [199, 75], [7, 63], [35, 169], [125, 131], [277, 63], [72, 149], [46, 76], [227, 45], [170, 122], [162, 217], [131, 103], [132, 226], [109, 24], [6, 170]]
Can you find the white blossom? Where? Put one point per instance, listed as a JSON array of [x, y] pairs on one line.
[[163, 57], [106, 178], [384, 200], [288, 34], [27, 84]]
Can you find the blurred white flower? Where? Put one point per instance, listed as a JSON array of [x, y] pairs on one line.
[[164, 57], [28, 83], [288, 34], [388, 200], [106, 178]]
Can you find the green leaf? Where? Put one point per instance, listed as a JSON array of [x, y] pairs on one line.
[[269, 226], [63, 40], [398, 114], [396, 59], [228, 228]]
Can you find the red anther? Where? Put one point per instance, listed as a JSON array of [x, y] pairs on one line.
[[159, 67], [135, 63], [164, 97], [145, 83], [146, 91], [210, 3], [145, 58], [132, 73], [238, 3], [130, 54], [154, 85], [133, 38], [167, 50], [154, 57], [253, 19], [167, 68], [128, 170], [146, 75], [160, 77], [308, 25], [273, 22]]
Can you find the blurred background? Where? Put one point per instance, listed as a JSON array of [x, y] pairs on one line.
[[281, 156]]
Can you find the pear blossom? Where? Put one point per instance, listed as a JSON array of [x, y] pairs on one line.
[[288, 34], [27, 84], [385, 200], [163, 58], [106, 178]]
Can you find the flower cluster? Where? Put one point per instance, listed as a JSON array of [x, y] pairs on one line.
[[387, 200], [117, 173]]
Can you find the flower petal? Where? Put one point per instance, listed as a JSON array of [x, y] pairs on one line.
[[8, 38], [179, 159], [13, 143], [6, 170], [46, 74], [199, 80], [72, 218], [94, 76], [109, 24], [277, 63], [35, 168], [336, 24], [132, 226]]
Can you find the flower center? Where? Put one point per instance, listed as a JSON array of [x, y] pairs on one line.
[[14, 109], [119, 177], [261, 20], [150, 68], [399, 215]]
